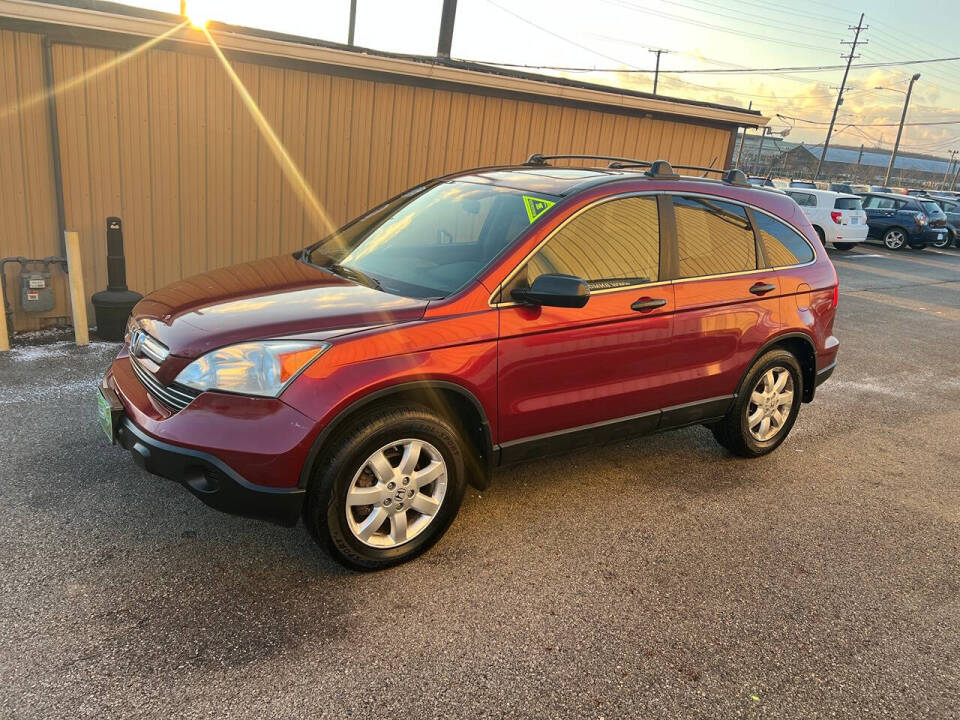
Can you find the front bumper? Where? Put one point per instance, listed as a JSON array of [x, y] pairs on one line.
[[210, 479], [240, 455]]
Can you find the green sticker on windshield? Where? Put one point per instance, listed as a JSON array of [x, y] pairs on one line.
[[536, 206]]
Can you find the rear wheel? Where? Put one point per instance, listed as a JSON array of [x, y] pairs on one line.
[[766, 408], [823, 238], [844, 247], [894, 238], [945, 243], [388, 489]]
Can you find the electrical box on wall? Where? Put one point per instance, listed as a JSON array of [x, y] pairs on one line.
[[36, 293]]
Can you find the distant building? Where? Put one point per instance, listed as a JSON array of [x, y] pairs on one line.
[[787, 159]]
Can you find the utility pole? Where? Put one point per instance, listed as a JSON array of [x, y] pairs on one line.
[[956, 176], [656, 72], [760, 150], [856, 173], [903, 116], [943, 183], [843, 84], [743, 139], [353, 22], [446, 28]]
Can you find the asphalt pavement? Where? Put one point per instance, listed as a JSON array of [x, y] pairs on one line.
[[657, 578]]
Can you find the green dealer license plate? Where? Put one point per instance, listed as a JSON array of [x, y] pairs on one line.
[[108, 412]]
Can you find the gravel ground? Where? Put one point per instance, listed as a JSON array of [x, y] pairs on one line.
[[658, 578]]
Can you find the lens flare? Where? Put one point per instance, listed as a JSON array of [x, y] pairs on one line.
[[76, 80], [318, 216]]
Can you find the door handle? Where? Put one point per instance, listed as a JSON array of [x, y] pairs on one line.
[[646, 304], [762, 288]]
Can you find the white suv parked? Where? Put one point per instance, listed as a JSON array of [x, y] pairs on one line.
[[838, 218]]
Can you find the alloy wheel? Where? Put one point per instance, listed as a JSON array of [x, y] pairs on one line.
[[396, 493], [894, 239], [770, 404]]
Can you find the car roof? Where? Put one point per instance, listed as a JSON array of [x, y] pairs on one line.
[[550, 180], [894, 196], [818, 191], [568, 181]]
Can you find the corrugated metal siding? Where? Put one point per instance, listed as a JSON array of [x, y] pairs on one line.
[[164, 142], [28, 209]]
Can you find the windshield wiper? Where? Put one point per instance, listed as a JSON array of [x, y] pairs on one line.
[[354, 274]]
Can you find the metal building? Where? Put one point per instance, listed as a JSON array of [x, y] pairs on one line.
[[162, 139]]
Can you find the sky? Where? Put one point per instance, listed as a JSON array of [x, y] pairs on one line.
[[614, 39]]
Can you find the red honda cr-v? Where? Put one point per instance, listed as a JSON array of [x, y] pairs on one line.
[[478, 319]]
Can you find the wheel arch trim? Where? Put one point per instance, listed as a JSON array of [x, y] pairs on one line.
[[808, 387], [399, 389]]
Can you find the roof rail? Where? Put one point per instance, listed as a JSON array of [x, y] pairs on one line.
[[538, 160], [660, 169]]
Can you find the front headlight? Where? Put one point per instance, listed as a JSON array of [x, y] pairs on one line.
[[254, 368]]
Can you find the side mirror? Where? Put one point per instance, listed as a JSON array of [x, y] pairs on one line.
[[567, 291]]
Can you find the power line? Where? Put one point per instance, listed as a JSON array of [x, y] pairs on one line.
[[909, 124], [724, 71]]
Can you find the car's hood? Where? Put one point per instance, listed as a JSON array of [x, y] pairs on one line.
[[267, 298]]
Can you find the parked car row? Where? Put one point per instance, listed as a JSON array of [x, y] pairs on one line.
[[844, 219]]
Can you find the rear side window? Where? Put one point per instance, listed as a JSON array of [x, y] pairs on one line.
[[782, 245], [882, 203], [847, 204], [713, 237], [615, 244], [804, 199]]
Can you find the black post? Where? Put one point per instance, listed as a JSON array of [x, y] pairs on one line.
[[446, 28], [116, 264], [113, 305], [353, 22]]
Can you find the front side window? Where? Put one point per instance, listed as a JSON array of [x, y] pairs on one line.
[[614, 244], [782, 245], [713, 237], [431, 242]]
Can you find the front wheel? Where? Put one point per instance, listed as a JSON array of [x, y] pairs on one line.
[[766, 408], [843, 247], [388, 488], [894, 239]]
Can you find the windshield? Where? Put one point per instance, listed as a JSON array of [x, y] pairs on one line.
[[931, 208], [430, 242]]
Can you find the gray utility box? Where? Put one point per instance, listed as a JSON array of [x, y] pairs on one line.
[[36, 294]]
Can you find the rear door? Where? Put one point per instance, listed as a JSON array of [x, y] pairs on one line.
[[727, 305], [881, 214], [599, 367]]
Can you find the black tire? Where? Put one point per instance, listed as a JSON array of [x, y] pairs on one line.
[[732, 431], [823, 238], [325, 513], [844, 247]]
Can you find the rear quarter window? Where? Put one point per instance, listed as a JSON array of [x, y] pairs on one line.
[[847, 204], [782, 245]]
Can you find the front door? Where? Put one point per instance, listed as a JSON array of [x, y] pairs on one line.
[[597, 368]]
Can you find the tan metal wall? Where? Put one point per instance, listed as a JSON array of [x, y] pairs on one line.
[[164, 142], [28, 210]]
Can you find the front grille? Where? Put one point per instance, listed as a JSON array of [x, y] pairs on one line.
[[173, 397]]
